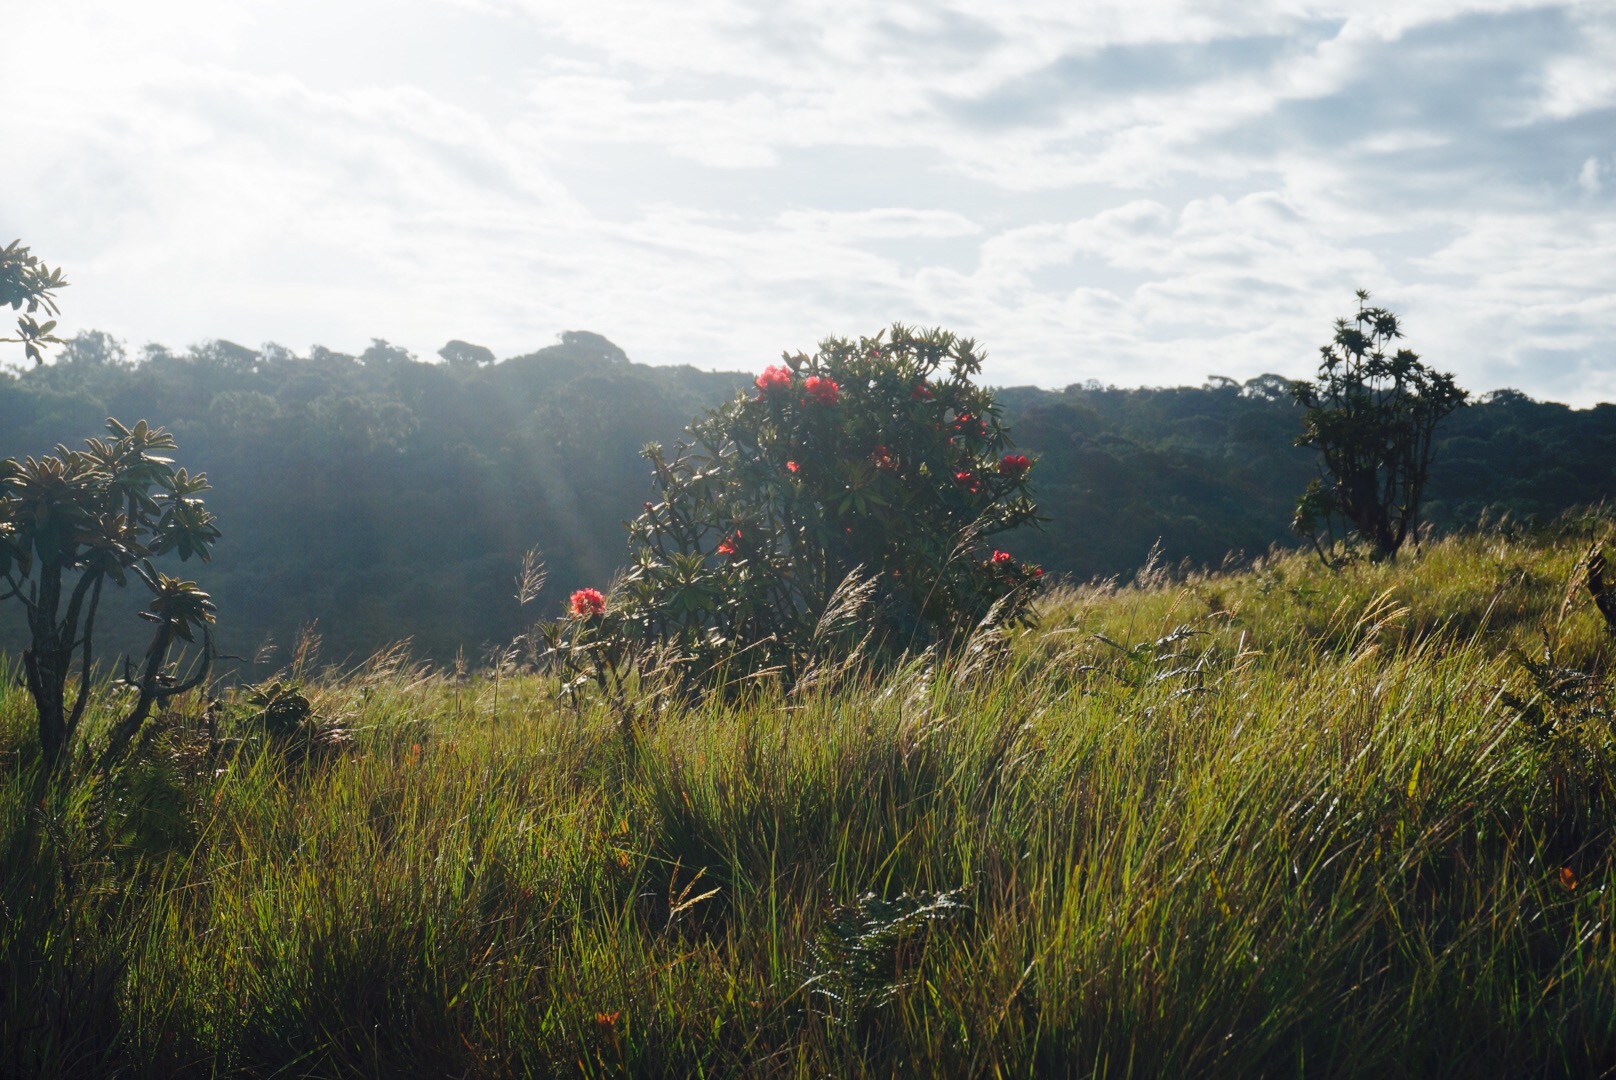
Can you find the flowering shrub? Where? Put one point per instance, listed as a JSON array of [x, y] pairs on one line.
[[877, 461], [587, 602]]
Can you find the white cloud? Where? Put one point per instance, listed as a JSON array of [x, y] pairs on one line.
[[1136, 193], [1588, 176], [1583, 79]]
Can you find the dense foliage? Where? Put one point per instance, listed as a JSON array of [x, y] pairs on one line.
[[852, 495], [385, 497], [1274, 823], [374, 495], [1371, 416]]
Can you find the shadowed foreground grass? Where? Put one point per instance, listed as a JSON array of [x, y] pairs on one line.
[[1283, 822]]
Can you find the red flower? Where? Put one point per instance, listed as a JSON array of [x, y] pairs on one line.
[[921, 392], [1013, 464], [822, 390], [774, 378], [967, 424], [792, 466], [588, 602], [1000, 558], [726, 546], [1038, 571], [968, 480], [880, 458]]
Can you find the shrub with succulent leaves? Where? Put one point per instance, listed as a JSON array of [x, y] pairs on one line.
[[70, 524], [847, 501]]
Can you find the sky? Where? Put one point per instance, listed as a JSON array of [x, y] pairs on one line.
[[1141, 193]]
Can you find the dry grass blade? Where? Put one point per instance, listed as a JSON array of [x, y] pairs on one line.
[[531, 578]]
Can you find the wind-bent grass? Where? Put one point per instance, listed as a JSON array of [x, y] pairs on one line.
[[1274, 823]]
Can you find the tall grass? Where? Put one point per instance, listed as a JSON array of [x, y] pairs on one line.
[[1281, 822]]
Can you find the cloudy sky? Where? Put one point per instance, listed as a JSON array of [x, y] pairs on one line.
[[1143, 193]]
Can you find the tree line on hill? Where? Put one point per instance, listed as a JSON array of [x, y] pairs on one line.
[[382, 497]]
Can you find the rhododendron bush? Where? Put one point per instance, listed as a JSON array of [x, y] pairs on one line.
[[846, 500]]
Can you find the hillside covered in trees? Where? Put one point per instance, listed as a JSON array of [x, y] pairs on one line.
[[383, 497]]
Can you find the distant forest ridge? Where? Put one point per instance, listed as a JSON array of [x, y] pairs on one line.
[[382, 497]]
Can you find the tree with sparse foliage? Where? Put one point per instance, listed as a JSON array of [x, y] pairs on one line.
[[1371, 416], [70, 523]]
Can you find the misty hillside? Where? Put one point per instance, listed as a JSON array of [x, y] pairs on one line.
[[383, 497]]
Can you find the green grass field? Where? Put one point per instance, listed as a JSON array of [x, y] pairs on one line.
[[1280, 822]]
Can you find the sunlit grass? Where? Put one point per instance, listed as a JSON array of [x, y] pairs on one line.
[[1280, 822]]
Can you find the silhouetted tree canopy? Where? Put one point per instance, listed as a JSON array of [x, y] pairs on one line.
[[464, 352], [1372, 415], [394, 498]]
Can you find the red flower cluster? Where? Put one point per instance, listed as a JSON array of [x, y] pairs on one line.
[[588, 602], [1005, 564], [968, 480], [881, 459], [774, 378], [1013, 464], [966, 424], [822, 390], [921, 392], [726, 546], [792, 466]]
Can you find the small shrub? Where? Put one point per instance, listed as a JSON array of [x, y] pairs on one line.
[[843, 507], [866, 954], [72, 522], [280, 712]]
